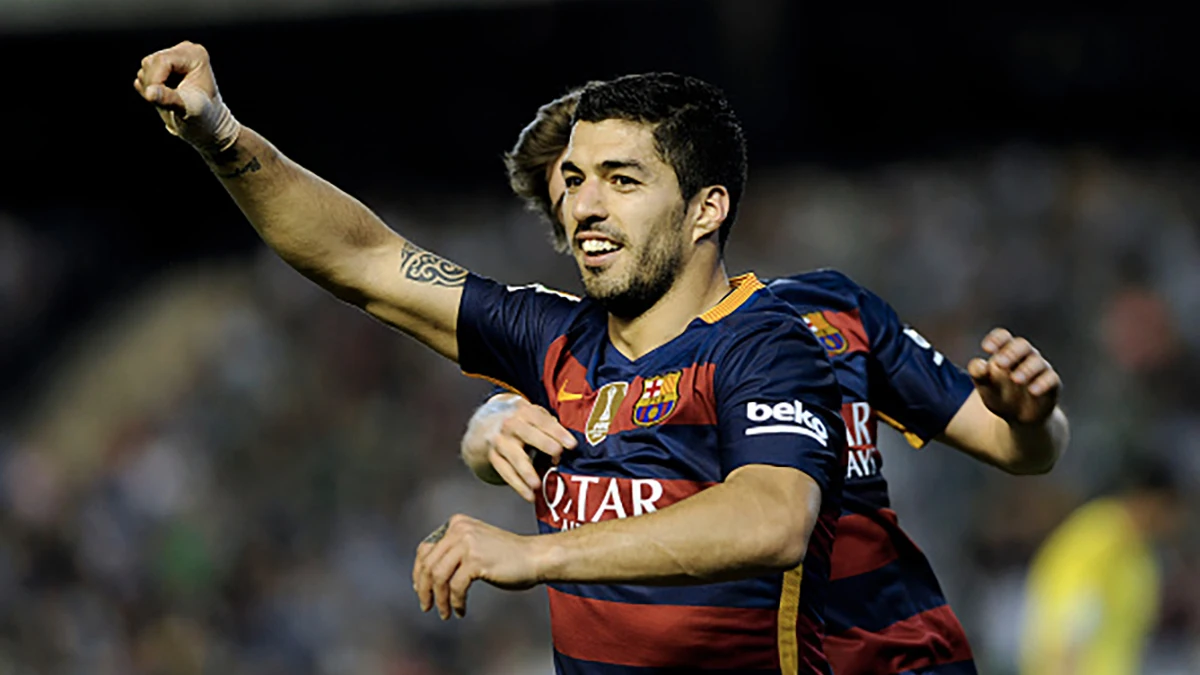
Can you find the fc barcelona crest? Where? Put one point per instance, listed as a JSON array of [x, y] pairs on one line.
[[660, 396], [831, 338]]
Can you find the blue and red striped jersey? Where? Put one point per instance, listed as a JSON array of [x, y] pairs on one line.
[[886, 613], [745, 383]]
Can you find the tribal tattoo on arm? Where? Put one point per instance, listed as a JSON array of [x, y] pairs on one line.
[[424, 267]]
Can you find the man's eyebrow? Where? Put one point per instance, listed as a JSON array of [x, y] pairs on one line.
[[609, 165], [618, 164]]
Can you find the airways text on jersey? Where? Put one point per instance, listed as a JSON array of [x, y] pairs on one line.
[[862, 459]]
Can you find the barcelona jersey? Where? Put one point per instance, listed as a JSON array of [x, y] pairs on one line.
[[747, 383], [886, 613]]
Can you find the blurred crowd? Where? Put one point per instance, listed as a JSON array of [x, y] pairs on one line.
[[228, 471]]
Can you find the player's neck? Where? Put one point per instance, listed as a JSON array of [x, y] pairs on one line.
[[700, 286]]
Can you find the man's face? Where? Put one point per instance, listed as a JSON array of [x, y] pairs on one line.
[[623, 215]]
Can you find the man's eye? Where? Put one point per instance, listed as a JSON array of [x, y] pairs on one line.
[[624, 180], [573, 181]]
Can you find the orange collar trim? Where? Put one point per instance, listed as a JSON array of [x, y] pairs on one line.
[[744, 286]]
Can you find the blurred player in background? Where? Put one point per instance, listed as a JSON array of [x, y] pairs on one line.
[[709, 409], [1093, 588], [886, 613]]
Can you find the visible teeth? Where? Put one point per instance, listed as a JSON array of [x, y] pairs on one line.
[[592, 246]]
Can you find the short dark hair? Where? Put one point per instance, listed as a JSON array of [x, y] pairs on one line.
[[695, 129], [537, 146]]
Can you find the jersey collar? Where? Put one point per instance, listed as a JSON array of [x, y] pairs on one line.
[[744, 286]]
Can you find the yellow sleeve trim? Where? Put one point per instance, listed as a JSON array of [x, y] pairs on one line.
[[789, 617], [913, 439]]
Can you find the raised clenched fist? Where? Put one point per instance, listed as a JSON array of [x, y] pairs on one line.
[[191, 110], [1016, 382]]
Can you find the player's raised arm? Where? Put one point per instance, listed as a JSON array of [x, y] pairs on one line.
[[1002, 411], [326, 234]]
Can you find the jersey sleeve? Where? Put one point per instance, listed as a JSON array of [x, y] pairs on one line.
[[912, 386], [778, 404], [504, 332]]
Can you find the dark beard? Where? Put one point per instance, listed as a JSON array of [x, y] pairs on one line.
[[642, 294], [660, 266]]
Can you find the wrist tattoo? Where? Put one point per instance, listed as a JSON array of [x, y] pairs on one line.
[[249, 167], [424, 267]]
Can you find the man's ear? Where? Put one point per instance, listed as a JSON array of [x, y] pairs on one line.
[[711, 205]]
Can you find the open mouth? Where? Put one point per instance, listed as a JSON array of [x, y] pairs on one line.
[[597, 249]]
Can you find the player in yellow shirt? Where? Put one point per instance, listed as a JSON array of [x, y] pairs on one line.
[[1093, 589]]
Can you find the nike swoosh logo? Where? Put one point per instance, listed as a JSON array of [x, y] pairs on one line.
[[564, 395]]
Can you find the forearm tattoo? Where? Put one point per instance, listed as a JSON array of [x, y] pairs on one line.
[[426, 268], [248, 167]]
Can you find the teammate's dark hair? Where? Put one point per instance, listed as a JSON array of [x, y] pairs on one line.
[[695, 129], [538, 145]]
